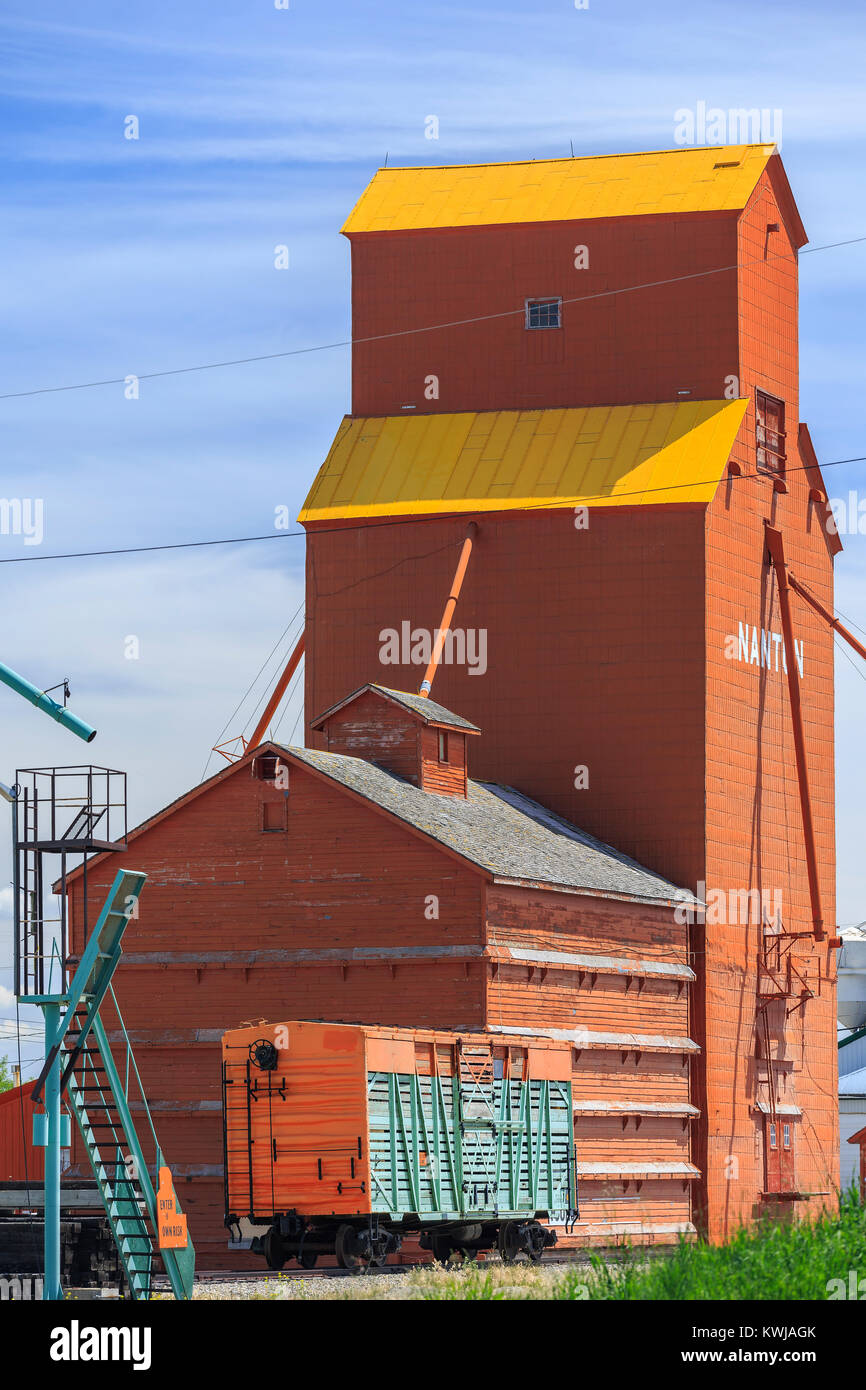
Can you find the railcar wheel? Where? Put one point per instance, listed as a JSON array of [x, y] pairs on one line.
[[307, 1259], [535, 1242], [522, 1240], [509, 1242], [377, 1252], [346, 1247], [440, 1248], [272, 1249]]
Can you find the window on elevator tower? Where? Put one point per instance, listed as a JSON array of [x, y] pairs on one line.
[[770, 434], [544, 313]]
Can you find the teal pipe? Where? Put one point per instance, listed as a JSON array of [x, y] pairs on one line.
[[51, 1287], [44, 702]]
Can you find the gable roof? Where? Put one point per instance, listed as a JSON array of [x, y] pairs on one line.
[[499, 830], [717, 178], [506, 460], [176, 805], [426, 709]]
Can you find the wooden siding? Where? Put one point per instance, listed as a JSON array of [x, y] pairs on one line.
[[378, 730], [624, 665], [753, 821], [447, 778], [236, 924], [678, 334], [534, 995]]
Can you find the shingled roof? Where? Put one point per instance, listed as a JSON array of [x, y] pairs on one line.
[[425, 708], [500, 830]]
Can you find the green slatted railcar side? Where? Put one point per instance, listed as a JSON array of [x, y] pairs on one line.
[[497, 1148]]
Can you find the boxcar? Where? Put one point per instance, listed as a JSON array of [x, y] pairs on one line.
[[340, 1139]]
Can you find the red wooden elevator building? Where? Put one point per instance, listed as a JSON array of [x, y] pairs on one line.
[[594, 827]]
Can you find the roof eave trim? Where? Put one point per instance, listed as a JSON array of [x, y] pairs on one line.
[[175, 805], [371, 687], [785, 198], [610, 893]]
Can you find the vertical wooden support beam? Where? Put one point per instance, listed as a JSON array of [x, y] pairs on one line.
[[776, 548]]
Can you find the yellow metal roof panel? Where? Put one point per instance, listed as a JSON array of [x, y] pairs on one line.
[[714, 179], [509, 460]]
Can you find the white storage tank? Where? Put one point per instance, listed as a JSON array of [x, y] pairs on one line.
[[852, 977]]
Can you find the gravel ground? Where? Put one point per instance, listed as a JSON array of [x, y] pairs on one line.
[[404, 1283]]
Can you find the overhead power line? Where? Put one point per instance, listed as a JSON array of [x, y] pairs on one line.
[[369, 525], [403, 332]]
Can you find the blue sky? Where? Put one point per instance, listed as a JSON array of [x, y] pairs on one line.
[[260, 127]]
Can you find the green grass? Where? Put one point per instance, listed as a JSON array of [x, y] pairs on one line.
[[772, 1260]]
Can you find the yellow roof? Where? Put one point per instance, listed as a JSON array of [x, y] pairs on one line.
[[718, 178], [603, 456]]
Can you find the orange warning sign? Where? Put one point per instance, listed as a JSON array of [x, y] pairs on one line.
[[172, 1222]]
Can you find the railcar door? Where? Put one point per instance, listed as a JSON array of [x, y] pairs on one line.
[[263, 1093], [247, 1122], [476, 1074]]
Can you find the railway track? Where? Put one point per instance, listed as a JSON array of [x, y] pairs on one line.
[[227, 1276]]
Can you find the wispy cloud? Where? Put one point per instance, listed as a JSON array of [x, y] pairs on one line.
[[257, 128]]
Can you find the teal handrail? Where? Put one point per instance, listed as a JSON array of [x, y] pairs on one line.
[[130, 1058]]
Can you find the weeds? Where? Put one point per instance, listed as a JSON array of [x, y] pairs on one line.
[[794, 1260]]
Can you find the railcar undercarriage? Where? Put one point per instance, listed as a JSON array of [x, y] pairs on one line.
[[365, 1243]]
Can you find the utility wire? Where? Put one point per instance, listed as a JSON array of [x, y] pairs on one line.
[[406, 332], [847, 655], [280, 667], [367, 525], [844, 616], [252, 683], [286, 702]]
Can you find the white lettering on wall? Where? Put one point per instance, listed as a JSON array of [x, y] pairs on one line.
[[759, 647]]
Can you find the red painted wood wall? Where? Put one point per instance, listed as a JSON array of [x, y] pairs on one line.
[[612, 349], [238, 924], [20, 1159], [346, 915], [606, 647]]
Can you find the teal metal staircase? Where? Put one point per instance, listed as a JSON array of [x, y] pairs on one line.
[[99, 1098]]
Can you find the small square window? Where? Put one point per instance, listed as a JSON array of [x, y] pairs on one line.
[[772, 1136], [786, 1136], [274, 814], [544, 313], [443, 747], [770, 434]]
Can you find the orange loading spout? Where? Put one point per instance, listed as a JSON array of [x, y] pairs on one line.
[[457, 585]]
